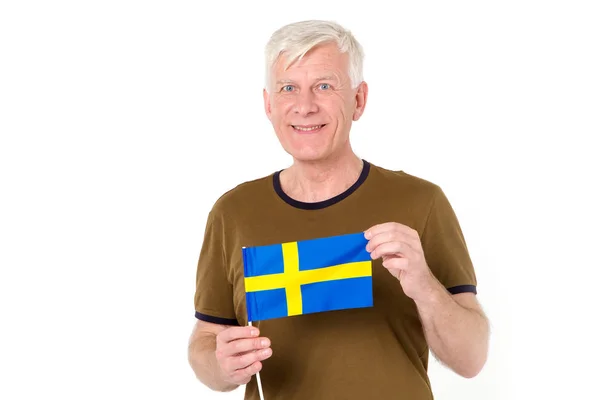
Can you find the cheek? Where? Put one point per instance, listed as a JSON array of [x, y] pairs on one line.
[[282, 105], [336, 104]]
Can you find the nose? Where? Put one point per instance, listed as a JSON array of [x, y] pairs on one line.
[[305, 103]]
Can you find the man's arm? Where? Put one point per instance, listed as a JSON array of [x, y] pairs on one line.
[[456, 330], [201, 356], [454, 325], [224, 357]]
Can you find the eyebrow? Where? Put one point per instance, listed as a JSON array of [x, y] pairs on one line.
[[326, 78], [320, 78]]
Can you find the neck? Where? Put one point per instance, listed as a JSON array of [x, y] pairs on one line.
[[313, 181]]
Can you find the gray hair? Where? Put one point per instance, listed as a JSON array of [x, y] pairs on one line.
[[296, 39]]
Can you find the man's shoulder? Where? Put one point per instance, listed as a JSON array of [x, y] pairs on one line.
[[400, 180], [244, 194]]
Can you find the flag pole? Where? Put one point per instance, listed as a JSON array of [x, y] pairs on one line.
[[260, 392]]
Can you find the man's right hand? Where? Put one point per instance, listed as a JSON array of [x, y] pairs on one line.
[[239, 353]]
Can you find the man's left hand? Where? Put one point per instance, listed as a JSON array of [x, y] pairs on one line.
[[399, 247]]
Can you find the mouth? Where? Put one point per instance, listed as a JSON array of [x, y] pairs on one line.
[[308, 128]]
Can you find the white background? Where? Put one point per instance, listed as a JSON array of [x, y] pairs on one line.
[[122, 121]]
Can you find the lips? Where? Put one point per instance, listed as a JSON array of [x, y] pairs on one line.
[[308, 128]]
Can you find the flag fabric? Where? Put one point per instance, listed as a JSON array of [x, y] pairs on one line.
[[309, 276]]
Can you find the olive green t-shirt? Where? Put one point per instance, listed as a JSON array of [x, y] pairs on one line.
[[379, 352]]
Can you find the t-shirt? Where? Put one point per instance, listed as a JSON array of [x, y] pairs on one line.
[[378, 352]]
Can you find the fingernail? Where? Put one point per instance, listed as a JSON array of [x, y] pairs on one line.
[[254, 332], [264, 343], [266, 352]]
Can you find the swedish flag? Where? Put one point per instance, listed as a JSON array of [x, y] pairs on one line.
[[308, 276]]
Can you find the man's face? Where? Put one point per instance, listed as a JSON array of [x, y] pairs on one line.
[[312, 104]]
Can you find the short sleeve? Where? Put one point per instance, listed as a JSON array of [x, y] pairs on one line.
[[445, 247], [213, 299]]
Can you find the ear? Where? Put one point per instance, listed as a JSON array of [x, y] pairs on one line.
[[361, 100], [267, 102]]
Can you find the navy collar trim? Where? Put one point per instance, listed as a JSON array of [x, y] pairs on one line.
[[325, 203]]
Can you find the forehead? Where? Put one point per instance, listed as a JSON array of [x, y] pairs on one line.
[[319, 60]]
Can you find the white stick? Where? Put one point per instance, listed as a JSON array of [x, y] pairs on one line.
[[260, 392]]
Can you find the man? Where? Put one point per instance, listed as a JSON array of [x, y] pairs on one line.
[[424, 283]]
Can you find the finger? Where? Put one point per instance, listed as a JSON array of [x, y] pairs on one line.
[[243, 361], [396, 264], [391, 236], [243, 376], [389, 248], [240, 346], [237, 332], [390, 226]]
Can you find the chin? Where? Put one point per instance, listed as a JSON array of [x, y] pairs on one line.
[[308, 146], [309, 154]]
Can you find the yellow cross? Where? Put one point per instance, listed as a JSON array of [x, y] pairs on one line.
[[292, 278]]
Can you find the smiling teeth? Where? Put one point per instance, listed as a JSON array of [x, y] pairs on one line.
[[312, 128]]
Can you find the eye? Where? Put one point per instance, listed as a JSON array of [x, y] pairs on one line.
[[287, 88], [324, 86]]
